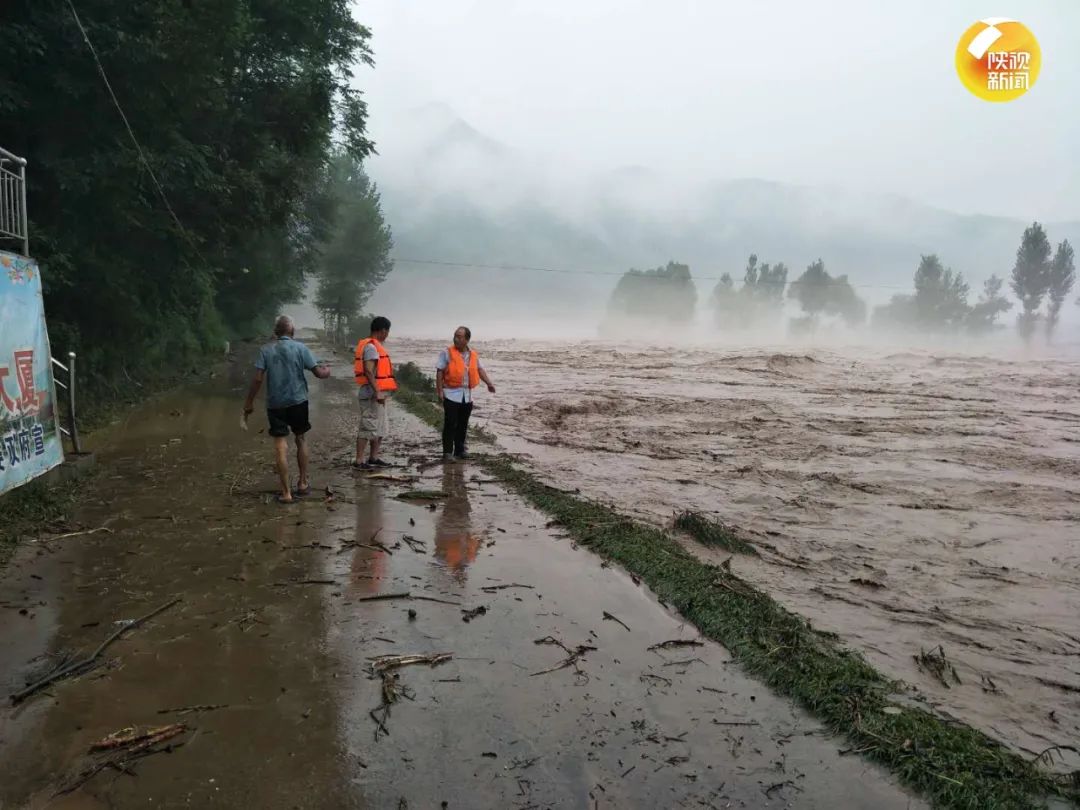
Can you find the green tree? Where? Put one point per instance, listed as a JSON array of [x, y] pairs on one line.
[[1031, 276], [940, 295], [356, 258], [771, 284], [811, 291], [983, 316], [235, 105], [846, 303], [759, 299], [818, 293], [666, 293], [1062, 276]]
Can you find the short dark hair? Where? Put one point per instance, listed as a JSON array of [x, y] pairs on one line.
[[467, 331], [379, 323]]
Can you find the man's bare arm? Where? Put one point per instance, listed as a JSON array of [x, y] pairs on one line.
[[487, 381], [440, 378], [369, 372], [253, 390]]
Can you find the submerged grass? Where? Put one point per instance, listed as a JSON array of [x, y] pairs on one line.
[[950, 764], [710, 533]]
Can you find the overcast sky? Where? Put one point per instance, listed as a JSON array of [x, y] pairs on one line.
[[861, 94]]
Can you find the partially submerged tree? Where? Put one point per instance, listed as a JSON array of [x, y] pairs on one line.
[[938, 305], [819, 293], [983, 316], [1062, 277], [759, 300], [1031, 276], [940, 295], [666, 293], [725, 303]]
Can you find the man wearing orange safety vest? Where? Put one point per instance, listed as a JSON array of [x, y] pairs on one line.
[[457, 373], [375, 375]]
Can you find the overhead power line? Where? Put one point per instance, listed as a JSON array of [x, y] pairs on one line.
[[569, 272], [131, 133]]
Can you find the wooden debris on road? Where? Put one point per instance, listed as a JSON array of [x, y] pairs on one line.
[[209, 707], [119, 751], [422, 495], [383, 663], [83, 665], [127, 737], [493, 588], [610, 617], [572, 656], [676, 642], [469, 615]]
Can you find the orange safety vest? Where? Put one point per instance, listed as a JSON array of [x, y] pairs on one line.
[[384, 369], [454, 376]]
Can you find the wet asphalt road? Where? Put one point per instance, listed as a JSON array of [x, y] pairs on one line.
[[273, 640]]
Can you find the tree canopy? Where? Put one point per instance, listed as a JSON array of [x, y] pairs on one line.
[[819, 293], [1031, 276], [663, 294], [236, 105], [357, 257]]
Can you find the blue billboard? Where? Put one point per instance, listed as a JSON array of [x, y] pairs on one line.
[[29, 433]]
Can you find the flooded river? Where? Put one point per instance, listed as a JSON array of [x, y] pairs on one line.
[[903, 500]]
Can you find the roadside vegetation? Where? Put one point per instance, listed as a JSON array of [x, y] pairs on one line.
[[32, 509], [237, 184]]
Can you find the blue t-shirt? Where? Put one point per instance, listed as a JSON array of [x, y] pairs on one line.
[[284, 362]]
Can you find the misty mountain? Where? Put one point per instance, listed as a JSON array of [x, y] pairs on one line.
[[453, 194]]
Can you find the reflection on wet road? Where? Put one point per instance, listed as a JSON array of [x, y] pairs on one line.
[[269, 656]]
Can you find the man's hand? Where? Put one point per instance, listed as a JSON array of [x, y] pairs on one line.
[[248, 410], [321, 371], [491, 388]]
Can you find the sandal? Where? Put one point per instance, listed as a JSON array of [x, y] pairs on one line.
[[282, 501], [301, 493]]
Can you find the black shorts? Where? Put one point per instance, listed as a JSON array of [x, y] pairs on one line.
[[294, 417]]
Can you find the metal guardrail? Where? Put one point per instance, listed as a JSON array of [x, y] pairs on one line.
[[13, 220], [73, 432]]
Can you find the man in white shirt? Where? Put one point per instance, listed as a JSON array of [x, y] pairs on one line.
[[457, 372]]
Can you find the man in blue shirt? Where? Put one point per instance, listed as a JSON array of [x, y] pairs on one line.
[[282, 364]]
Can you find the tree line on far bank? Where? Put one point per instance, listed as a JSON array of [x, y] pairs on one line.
[[940, 301]]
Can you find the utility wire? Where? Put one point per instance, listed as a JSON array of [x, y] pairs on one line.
[[131, 133], [527, 268]]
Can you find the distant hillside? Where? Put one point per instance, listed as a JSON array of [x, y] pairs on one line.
[[453, 194]]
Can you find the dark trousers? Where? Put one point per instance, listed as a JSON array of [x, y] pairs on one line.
[[455, 425]]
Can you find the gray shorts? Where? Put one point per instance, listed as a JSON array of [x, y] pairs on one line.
[[374, 423]]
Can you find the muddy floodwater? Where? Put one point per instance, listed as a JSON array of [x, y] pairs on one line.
[[557, 681], [904, 500]]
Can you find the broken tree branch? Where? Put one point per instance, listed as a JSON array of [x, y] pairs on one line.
[[383, 663], [83, 664], [612, 618], [676, 642]]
